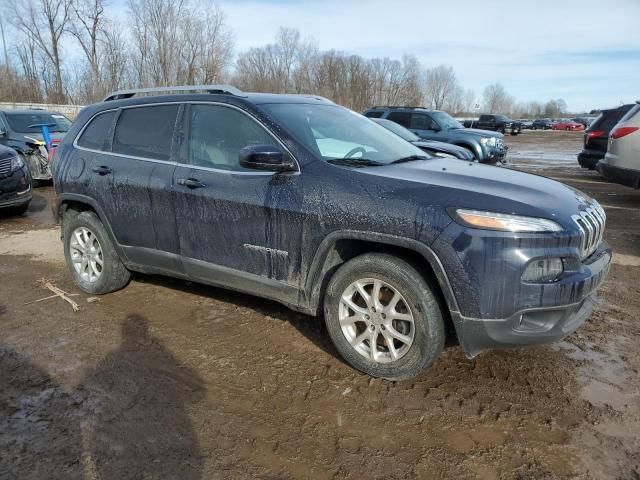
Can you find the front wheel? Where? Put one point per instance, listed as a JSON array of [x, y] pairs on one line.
[[383, 317], [91, 256]]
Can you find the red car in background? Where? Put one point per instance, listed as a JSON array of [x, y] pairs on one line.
[[569, 125]]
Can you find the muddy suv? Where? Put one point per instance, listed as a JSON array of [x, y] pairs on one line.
[[298, 200]]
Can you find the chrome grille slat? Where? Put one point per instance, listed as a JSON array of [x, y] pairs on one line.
[[591, 223]]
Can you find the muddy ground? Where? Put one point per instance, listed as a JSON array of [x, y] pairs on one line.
[[167, 379]]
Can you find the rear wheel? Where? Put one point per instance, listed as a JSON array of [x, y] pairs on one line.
[[383, 317], [91, 256]]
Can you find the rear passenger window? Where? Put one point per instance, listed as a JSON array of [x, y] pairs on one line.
[[146, 131], [96, 135], [401, 118]]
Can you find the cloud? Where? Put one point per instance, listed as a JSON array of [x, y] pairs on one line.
[[586, 51]]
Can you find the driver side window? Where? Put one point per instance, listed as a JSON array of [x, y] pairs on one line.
[[218, 133], [420, 121]]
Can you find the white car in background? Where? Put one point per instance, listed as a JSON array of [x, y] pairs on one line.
[[621, 164]]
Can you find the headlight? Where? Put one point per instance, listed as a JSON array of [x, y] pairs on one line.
[[543, 271], [489, 142], [505, 222], [16, 163]]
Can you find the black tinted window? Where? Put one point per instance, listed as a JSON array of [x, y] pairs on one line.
[[146, 131], [218, 134], [402, 118], [420, 121], [95, 136], [374, 114]]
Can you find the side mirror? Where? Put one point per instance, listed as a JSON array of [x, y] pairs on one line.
[[265, 157]]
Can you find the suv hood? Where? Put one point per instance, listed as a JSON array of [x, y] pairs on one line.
[[452, 183], [478, 132]]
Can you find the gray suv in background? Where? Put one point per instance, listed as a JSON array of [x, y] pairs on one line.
[[485, 146], [621, 164]]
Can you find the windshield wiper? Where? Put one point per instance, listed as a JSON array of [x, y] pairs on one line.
[[411, 158], [355, 162]]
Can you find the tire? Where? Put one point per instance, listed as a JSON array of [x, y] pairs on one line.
[[470, 150], [416, 300], [21, 210], [113, 275]]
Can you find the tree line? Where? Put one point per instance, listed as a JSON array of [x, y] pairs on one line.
[[181, 42]]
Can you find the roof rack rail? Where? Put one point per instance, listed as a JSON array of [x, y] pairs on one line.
[[121, 94], [398, 106], [311, 95]]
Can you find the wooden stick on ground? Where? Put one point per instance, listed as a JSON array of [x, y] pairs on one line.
[[60, 293], [49, 298]]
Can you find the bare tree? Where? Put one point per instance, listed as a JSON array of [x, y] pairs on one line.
[[87, 26], [439, 85], [496, 99], [44, 23]]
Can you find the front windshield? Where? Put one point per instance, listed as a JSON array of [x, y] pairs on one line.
[[445, 121], [335, 132], [398, 129], [503, 118], [21, 122]]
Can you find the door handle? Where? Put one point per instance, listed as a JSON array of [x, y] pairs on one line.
[[102, 170], [190, 182]]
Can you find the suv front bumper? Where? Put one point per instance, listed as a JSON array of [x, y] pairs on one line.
[[537, 325]]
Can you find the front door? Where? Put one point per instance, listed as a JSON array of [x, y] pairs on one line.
[[232, 221]]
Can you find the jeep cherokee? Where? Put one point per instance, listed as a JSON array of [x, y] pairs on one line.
[[299, 200]]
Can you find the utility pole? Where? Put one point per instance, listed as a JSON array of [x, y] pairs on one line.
[[4, 45]]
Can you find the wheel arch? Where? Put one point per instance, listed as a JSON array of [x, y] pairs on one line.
[[71, 202], [339, 247]]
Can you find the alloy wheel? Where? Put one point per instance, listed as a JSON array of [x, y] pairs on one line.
[[376, 320], [86, 254]]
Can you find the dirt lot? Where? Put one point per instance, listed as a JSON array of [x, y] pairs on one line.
[[167, 379]]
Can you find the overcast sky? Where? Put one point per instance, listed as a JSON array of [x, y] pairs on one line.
[[585, 51]]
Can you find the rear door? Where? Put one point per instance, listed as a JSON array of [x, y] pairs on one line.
[[233, 220], [130, 177]]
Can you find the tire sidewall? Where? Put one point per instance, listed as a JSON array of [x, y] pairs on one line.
[[428, 323], [111, 278]]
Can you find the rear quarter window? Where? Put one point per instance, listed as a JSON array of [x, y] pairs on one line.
[[146, 131], [96, 135], [374, 114]]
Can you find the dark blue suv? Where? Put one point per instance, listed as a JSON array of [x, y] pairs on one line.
[[296, 199]]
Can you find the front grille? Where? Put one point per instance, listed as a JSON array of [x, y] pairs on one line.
[[5, 167], [591, 223]]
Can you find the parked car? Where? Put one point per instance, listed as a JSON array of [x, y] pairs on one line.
[[497, 123], [15, 182], [568, 125], [621, 164], [542, 124], [437, 149], [596, 137], [526, 123], [299, 200], [485, 146], [584, 121], [21, 130]]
